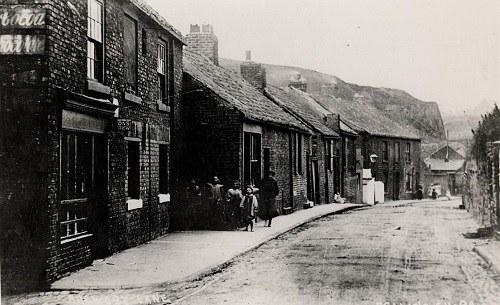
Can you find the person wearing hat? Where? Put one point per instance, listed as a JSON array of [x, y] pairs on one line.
[[268, 192]]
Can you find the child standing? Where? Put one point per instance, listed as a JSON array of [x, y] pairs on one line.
[[248, 205]]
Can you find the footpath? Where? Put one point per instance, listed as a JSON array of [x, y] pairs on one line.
[[181, 256], [490, 252]]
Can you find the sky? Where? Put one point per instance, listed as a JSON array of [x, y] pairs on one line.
[[447, 51]]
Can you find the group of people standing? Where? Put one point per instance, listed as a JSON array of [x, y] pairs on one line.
[[212, 208]]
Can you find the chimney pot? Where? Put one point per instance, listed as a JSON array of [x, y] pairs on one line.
[[194, 28], [207, 28]]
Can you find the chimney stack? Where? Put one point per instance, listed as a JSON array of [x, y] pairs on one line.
[[203, 40], [298, 82], [332, 121], [253, 72]]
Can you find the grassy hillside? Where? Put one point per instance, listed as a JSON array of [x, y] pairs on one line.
[[424, 118]]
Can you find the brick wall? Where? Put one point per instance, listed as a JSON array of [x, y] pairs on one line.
[[213, 136], [481, 188], [392, 169], [63, 70]]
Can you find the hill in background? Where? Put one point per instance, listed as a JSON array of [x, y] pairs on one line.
[[422, 118], [460, 123]]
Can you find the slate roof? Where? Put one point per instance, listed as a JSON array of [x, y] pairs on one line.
[[148, 10], [459, 148], [345, 128], [363, 117], [298, 103], [237, 92], [441, 165]]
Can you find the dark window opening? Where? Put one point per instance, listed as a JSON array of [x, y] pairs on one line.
[[330, 154], [130, 54], [300, 154], [397, 152], [409, 179], [163, 169], [133, 170], [385, 150], [408, 152], [144, 42]]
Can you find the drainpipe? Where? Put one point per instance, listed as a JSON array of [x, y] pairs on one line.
[[149, 192]]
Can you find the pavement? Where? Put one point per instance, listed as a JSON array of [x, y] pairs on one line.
[[182, 256], [490, 252]]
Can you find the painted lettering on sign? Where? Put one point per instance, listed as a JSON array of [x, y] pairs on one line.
[[16, 18], [22, 44]]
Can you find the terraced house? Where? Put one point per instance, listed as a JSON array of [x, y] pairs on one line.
[[390, 151], [87, 101], [324, 172], [233, 131]]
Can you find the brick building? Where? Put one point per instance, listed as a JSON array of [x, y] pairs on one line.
[[89, 91], [445, 167], [234, 132], [397, 149], [324, 172]]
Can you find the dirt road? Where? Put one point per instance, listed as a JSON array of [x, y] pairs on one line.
[[398, 254]]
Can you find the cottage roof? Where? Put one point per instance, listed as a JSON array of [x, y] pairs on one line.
[[345, 128], [237, 92], [301, 105], [148, 10], [442, 165], [459, 148], [363, 117]]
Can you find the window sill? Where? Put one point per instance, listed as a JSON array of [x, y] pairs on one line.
[[164, 198], [96, 86], [65, 241], [134, 204], [129, 97], [162, 107]]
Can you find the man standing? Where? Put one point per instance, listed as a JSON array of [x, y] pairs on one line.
[[216, 208], [268, 192]]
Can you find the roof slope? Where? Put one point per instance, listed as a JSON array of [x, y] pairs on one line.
[[237, 92], [298, 103], [442, 165], [346, 129], [364, 117], [148, 10]]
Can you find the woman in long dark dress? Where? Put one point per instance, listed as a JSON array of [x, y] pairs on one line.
[[248, 205], [268, 192]]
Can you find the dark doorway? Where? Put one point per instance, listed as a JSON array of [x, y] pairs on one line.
[[315, 182], [251, 158], [397, 179]]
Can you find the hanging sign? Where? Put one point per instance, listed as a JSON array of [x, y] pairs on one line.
[[22, 18], [22, 44]]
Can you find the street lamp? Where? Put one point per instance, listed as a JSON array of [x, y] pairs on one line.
[[373, 160]]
